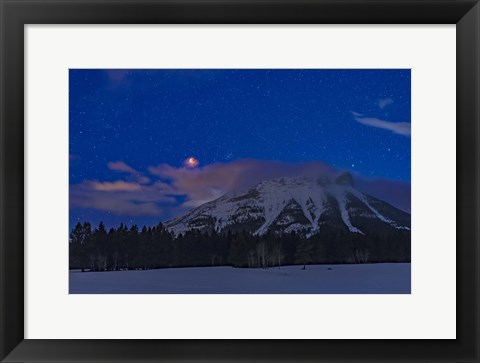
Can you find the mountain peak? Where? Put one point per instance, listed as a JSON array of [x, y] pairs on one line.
[[298, 204], [345, 179]]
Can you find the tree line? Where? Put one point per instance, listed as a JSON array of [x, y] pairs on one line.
[[128, 248]]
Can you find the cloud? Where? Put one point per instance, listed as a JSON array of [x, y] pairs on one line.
[[178, 189], [115, 186], [143, 179], [121, 166], [400, 128], [125, 168], [133, 197], [116, 76], [384, 102], [212, 181], [116, 206], [394, 192], [120, 197]]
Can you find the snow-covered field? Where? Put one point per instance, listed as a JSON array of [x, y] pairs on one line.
[[382, 278]]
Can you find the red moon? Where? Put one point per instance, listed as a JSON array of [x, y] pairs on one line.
[[191, 162]]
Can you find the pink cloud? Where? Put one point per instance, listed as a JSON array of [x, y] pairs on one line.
[[125, 168], [201, 185], [121, 166], [205, 184], [142, 179], [115, 186]]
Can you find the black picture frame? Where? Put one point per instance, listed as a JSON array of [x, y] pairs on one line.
[[17, 13]]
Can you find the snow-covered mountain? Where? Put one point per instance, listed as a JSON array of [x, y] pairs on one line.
[[298, 205]]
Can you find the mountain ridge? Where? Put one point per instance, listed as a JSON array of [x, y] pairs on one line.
[[299, 204]]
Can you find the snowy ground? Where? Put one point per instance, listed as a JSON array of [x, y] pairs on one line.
[[384, 278]]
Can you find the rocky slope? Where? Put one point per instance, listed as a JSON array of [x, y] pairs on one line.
[[298, 205]]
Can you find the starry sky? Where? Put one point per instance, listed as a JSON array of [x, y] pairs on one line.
[[132, 133]]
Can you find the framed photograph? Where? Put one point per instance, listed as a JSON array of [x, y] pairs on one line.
[[240, 181], [245, 206]]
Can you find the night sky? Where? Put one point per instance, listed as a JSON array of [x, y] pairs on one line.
[[132, 132]]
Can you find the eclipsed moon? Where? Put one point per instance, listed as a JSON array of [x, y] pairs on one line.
[[191, 162]]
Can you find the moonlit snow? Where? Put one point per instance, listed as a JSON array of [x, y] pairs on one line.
[[382, 278], [268, 201]]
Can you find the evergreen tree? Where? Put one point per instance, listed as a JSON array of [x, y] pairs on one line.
[[304, 253], [154, 247], [237, 255]]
